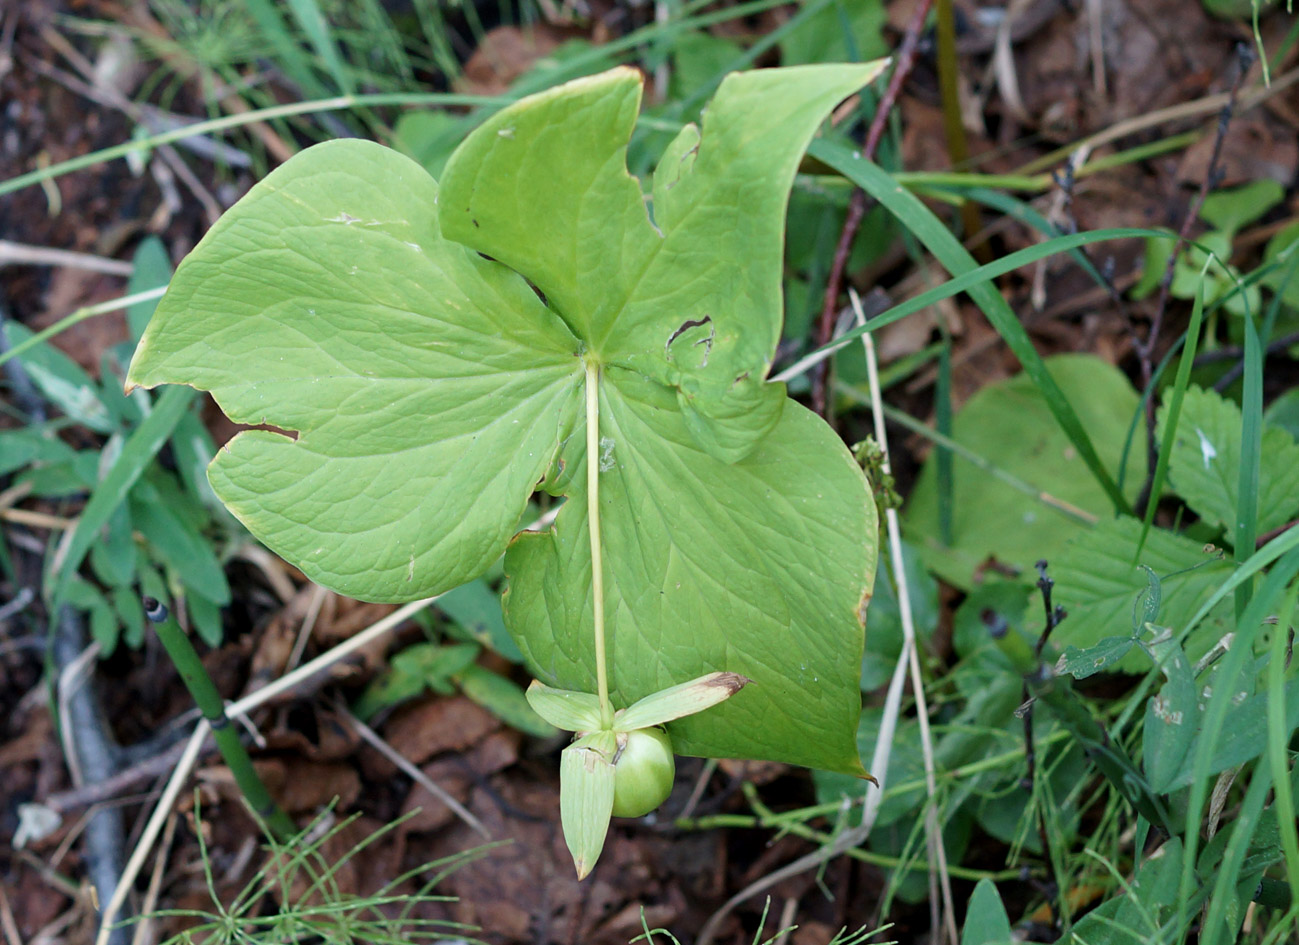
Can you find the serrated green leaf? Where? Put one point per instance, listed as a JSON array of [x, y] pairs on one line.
[[431, 389], [1283, 412], [1204, 468], [1101, 589]]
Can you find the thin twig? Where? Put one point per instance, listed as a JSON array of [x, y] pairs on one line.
[[1145, 347], [12, 253], [910, 648], [142, 936], [7, 922], [1053, 616], [906, 58], [415, 774]]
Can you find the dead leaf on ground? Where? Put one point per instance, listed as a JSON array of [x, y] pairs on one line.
[[506, 53], [1255, 148], [456, 774], [436, 724]]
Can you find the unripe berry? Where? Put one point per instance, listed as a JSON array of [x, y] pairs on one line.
[[643, 773]]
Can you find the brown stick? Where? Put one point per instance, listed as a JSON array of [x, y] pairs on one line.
[[906, 58]]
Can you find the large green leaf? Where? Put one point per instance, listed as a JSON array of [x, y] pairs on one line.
[[428, 387], [691, 299], [427, 349], [712, 567], [1204, 468]]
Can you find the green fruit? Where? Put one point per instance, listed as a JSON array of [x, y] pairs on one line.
[[643, 773]]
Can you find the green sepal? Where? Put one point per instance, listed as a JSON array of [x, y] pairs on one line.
[[586, 776], [676, 702], [563, 708]]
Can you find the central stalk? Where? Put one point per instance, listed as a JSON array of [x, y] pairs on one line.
[[593, 524]]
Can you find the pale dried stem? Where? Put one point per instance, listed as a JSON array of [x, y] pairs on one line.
[[143, 931], [910, 651], [12, 253]]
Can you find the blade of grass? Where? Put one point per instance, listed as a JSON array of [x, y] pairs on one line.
[[80, 315], [137, 452], [1183, 379], [290, 56], [1278, 740], [969, 281], [315, 27], [938, 240], [1225, 686], [1228, 870], [943, 422], [337, 103], [1251, 446]]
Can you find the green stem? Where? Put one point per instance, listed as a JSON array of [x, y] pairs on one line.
[[210, 703], [593, 526]]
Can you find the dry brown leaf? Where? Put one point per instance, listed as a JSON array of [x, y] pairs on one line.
[[504, 54], [436, 724]]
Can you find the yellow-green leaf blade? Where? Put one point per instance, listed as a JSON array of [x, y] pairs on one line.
[[428, 388]]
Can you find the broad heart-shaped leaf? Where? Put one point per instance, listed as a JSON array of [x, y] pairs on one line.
[[429, 348]]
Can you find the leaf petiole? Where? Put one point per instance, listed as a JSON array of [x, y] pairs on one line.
[[593, 524]]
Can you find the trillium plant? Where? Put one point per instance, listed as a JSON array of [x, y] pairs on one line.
[[431, 354]]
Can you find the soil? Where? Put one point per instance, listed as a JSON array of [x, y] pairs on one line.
[[1157, 54]]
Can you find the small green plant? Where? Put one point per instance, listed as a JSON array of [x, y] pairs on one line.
[[156, 533], [296, 896], [1226, 214], [433, 353]]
